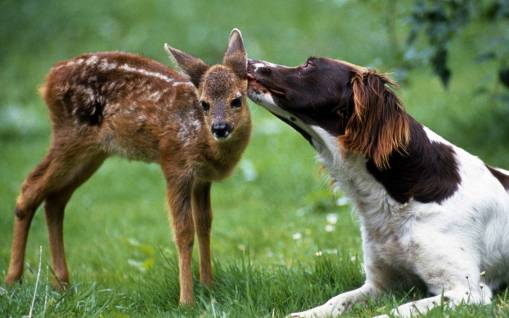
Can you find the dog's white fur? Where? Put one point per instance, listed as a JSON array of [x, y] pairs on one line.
[[458, 248]]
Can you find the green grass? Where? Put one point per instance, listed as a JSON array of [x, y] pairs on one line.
[[270, 216]]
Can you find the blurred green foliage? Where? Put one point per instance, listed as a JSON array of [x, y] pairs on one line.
[[382, 34], [441, 22]]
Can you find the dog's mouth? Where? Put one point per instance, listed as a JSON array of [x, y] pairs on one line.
[[254, 85], [257, 84], [266, 96]]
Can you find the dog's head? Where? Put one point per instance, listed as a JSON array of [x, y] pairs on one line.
[[355, 105]]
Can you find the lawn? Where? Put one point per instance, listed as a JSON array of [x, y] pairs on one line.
[[282, 241]]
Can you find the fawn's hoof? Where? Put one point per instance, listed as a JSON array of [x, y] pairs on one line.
[[11, 279], [60, 284]]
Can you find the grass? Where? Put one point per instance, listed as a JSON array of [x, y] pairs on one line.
[[276, 244]]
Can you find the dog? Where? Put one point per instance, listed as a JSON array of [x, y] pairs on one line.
[[430, 212]]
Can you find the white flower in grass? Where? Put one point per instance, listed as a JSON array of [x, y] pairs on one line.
[[297, 236], [331, 251], [269, 127], [248, 170], [342, 201], [301, 212], [140, 265], [318, 253], [332, 218], [329, 228]]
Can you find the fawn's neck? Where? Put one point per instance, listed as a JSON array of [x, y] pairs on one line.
[[224, 155]]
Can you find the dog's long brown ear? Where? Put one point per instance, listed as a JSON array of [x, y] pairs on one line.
[[379, 124]]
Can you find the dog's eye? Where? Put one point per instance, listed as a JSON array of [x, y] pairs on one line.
[[205, 105], [236, 102]]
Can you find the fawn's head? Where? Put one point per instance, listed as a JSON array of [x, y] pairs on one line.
[[222, 88]]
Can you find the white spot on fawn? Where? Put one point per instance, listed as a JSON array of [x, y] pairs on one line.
[[105, 65], [90, 93], [182, 83], [188, 130], [128, 68], [92, 60], [155, 96]]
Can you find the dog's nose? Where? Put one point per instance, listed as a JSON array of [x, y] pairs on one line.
[[251, 61], [251, 66], [264, 70], [221, 130], [257, 67]]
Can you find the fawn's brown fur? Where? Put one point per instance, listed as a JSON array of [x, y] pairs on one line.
[[196, 127]]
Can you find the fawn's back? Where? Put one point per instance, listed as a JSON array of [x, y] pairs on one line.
[[122, 104]]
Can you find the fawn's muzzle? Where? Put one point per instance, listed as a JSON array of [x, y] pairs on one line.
[[221, 130]]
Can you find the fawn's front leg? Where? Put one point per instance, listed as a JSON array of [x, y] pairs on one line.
[[202, 214], [179, 198]]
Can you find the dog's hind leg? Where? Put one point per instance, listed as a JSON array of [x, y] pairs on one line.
[[337, 305], [449, 272]]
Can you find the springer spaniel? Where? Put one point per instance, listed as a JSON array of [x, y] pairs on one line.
[[430, 212]]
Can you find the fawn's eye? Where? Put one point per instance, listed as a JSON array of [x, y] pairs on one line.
[[205, 105], [236, 102]]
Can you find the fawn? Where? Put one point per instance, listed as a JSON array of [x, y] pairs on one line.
[[195, 125]]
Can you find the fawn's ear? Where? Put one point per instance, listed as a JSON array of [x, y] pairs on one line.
[[379, 125], [235, 56], [194, 67]]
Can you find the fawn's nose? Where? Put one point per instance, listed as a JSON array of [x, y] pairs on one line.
[[221, 130]]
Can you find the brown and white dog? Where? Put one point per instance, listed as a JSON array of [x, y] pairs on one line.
[[429, 211]]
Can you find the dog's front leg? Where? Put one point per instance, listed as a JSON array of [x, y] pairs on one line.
[[415, 307], [337, 305], [451, 298]]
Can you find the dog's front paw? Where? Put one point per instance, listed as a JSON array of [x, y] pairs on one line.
[[322, 311]]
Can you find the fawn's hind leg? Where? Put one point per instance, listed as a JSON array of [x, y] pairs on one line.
[[55, 207], [31, 196], [202, 214], [56, 171]]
